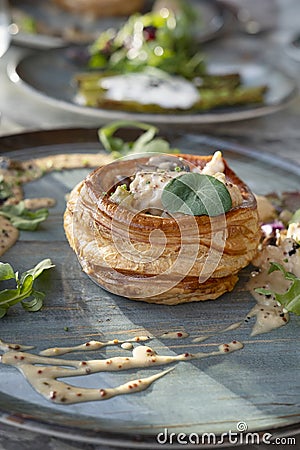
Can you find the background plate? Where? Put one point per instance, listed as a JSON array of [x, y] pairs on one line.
[[257, 385], [53, 23], [49, 75]]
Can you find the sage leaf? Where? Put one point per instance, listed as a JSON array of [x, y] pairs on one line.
[[196, 194]]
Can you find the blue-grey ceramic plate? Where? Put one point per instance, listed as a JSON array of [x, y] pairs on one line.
[[257, 385], [49, 75], [56, 27]]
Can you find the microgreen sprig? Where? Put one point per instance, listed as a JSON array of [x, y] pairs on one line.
[[24, 287]]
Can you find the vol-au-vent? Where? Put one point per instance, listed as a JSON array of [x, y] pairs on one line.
[[165, 229]]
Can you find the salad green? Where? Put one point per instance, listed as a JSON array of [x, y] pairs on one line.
[[24, 287], [161, 38], [145, 143], [22, 218]]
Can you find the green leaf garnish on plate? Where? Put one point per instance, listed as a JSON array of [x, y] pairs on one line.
[[290, 299], [196, 194], [24, 287], [22, 218], [145, 143]]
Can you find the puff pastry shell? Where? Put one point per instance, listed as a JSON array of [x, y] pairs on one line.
[[158, 259]]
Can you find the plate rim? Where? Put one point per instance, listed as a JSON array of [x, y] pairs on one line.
[[92, 437], [17, 141]]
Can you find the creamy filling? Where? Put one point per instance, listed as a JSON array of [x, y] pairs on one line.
[[168, 92], [145, 191]]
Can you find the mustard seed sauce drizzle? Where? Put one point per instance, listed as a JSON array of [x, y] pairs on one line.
[[231, 327], [269, 314], [5, 347], [174, 335], [39, 202], [43, 372], [92, 345]]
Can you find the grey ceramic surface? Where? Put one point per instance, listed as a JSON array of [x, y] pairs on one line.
[[258, 385], [59, 89], [55, 20]]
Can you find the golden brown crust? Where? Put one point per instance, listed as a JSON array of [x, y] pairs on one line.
[[101, 8], [155, 259]]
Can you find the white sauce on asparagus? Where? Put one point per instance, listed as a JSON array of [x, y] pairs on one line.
[[168, 92]]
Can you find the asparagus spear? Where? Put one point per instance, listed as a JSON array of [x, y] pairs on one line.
[[209, 99], [92, 80]]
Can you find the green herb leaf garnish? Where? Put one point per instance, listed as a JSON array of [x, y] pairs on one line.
[[6, 272], [291, 298], [24, 287], [146, 143], [22, 218], [196, 194]]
